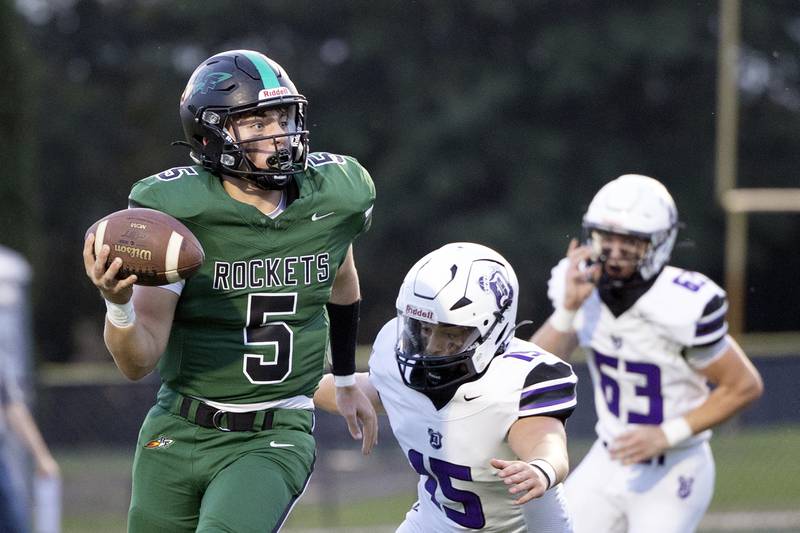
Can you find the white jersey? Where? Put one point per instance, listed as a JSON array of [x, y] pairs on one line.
[[450, 448], [639, 371]]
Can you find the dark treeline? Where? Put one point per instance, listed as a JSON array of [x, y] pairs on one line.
[[489, 121]]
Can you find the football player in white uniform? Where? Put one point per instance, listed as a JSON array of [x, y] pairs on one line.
[[479, 413], [654, 335]]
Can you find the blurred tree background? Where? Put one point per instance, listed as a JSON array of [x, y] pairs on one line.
[[492, 121]]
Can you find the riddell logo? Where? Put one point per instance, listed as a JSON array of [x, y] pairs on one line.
[[416, 312], [263, 94]]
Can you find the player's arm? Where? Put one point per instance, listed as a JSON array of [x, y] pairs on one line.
[[22, 423], [557, 335], [325, 396], [139, 319], [540, 443], [343, 312], [555, 341], [737, 384]]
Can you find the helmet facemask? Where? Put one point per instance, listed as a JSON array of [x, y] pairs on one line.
[[234, 156], [433, 355]]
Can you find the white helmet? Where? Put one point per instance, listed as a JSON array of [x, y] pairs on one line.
[[641, 207], [460, 284]]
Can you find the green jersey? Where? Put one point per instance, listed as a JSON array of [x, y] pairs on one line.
[[251, 325]]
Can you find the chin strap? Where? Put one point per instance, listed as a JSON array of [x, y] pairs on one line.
[[523, 323], [501, 346]]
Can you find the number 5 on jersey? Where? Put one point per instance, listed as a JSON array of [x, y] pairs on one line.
[[274, 337]]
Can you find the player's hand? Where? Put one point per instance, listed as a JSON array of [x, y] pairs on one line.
[[580, 281], [639, 444], [522, 479], [114, 290], [360, 415]]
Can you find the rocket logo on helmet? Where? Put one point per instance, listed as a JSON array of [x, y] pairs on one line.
[[208, 81]]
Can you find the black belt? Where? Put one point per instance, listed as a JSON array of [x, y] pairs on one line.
[[206, 416], [657, 460]]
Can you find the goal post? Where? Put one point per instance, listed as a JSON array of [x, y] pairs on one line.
[[738, 204]]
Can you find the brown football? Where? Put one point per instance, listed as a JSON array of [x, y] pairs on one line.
[[153, 245]]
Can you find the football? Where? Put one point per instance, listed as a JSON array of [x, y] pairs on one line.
[[153, 245]]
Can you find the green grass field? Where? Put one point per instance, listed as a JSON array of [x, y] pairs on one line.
[[757, 471]]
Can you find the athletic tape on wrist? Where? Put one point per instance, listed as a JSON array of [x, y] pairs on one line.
[[676, 430], [562, 319], [547, 469], [344, 381], [120, 315]]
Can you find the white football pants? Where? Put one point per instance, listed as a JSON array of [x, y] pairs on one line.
[[603, 496]]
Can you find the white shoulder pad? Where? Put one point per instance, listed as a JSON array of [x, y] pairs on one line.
[[689, 305], [381, 360]]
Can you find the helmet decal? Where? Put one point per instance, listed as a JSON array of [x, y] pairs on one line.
[[418, 312], [268, 77], [264, 94], [499, 286], [208, 81]]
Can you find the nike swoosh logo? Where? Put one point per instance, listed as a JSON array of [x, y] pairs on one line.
[[273, 444], [316, 217], [468, 399]]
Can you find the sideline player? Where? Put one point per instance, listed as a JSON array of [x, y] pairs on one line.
[[654, 335], [240, 346], [478, 412]]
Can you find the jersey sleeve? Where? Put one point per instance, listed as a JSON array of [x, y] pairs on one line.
[[181, 192], [549, 389], [382, 365], [690, 306], [712, 326], [346, 188], [364, 194], [10, 391]]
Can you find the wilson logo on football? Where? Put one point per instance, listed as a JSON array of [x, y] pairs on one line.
[[160, 442], [272, 93], [133, 251]]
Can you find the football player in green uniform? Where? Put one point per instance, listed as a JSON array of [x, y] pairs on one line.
[[240, 346]]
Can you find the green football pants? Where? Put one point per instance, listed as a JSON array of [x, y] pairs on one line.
[[191, 478]]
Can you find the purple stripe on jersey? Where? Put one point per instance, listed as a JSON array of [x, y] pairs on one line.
[[526, 356], [548, 404], [705, 329], [564, 385]]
